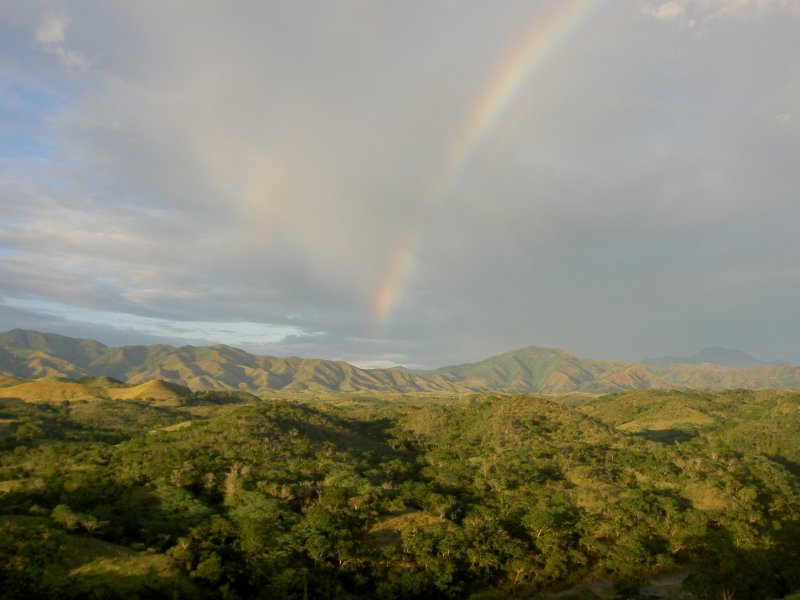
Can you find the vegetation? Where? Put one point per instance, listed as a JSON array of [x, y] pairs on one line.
[[225, 495]]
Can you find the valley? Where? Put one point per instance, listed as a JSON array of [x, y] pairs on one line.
[[155, 471], [177, 493]]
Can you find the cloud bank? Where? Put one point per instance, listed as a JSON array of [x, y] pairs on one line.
[[179, 166]]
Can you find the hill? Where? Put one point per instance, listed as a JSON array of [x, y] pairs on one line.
[[32, 355], [162, 391], [60, 389]]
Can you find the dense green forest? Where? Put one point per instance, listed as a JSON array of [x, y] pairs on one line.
[[221, 495]]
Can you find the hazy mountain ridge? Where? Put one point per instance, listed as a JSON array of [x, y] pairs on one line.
[[723, 357], [33, 355]]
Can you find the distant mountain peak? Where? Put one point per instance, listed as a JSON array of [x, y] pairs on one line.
[[35, 339], [725, 357], [715, 355]]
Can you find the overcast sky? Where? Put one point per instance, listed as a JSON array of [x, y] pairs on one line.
[[418, 183]]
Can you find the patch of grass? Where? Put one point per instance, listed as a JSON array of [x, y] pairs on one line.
[[73, 565]]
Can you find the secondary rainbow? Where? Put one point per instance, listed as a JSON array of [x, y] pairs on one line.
[[544, 40]]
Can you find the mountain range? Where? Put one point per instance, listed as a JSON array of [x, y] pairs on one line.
[[33, 355]]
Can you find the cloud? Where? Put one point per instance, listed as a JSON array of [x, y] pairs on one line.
[[51, 30], [752, 8], [689, 12], [668, 11], [51, 35], [263, 165]]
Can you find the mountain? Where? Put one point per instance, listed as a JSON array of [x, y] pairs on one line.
[[66, 348], [734, 359], [529, 368], [549, 371], [32, 355]]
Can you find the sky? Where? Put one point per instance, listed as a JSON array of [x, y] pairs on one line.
[[415, 183]]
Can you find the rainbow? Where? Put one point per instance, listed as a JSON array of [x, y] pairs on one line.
[[543, 41]]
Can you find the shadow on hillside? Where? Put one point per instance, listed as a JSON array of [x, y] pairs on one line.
[[347, 435], [789, 465], [722, 569], [667, 436], [711, 566]]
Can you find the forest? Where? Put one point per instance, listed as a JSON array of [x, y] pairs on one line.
[[224, 495]]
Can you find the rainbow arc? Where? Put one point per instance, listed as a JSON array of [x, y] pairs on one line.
[[544, 40]]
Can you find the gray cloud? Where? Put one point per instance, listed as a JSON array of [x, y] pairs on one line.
[[264, 164], [51, 35]]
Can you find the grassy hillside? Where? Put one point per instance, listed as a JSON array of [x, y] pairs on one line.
[[72, 565], [709, 376], [61, 389]]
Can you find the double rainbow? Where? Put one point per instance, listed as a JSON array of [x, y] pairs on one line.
[[543, 41]]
